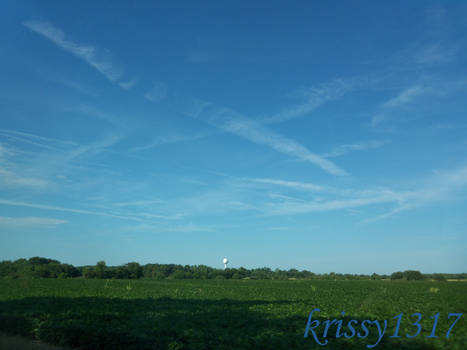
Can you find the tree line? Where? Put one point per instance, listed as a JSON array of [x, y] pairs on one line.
[[38, 267]]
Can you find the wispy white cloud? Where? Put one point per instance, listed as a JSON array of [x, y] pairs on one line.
[[31, 221], [100, 59], [78, 87], [157, 93], [170, 139], [235, 123], [283, 197], [5, 153], [280, 228], [236, 195], [344, 149], [36, 140], [259, 134], [128, 84], [291, 184], [440, 186], [435, 54], [16, 139], [160, 216], [9, 178], [137, 203], [132, 210], [429, 90], [190, 227], [316, 96], [94, 112], [425, 55], [388, 214], [448, 126], [227, 198], [74, 84], [445, 185], [182, 228], [194, 182], [38, 167], [404, 98], [327, 191], [65, 209], [93, 148], [292, 207]]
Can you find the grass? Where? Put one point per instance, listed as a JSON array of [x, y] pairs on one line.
[[225, 314], [8, 342]]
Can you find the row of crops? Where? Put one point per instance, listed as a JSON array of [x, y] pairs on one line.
[[232, 314]]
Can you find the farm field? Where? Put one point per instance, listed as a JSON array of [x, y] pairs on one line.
[[228, 314]]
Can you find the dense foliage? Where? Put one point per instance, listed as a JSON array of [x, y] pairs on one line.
[[48, 268], [37, 267], [225, 314]]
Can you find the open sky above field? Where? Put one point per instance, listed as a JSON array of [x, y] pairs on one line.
[[328, 136]]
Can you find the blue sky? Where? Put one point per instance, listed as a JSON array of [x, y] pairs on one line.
[[328, 136]]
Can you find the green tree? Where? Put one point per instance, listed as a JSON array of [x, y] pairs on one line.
[[135, 270], [412, 275], [122, 272], [179, 274], [88, 272], [101, 270], [397, 275]]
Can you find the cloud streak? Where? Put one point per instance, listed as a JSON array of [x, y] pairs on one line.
[[30, 221], [404, 98], [440, 186], [140, 203], [423, 56], [291, 184], [314, 97], [100, 59], [64, 209], [344, 149], [445, 185], [169, 139], [35, 140], [128, 84], [288, 208], [235, 123], [9, 178], [157, 93]]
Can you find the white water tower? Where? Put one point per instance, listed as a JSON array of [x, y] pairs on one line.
[[225, 261]]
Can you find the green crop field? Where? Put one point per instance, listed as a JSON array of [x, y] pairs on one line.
[[228, 314]]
